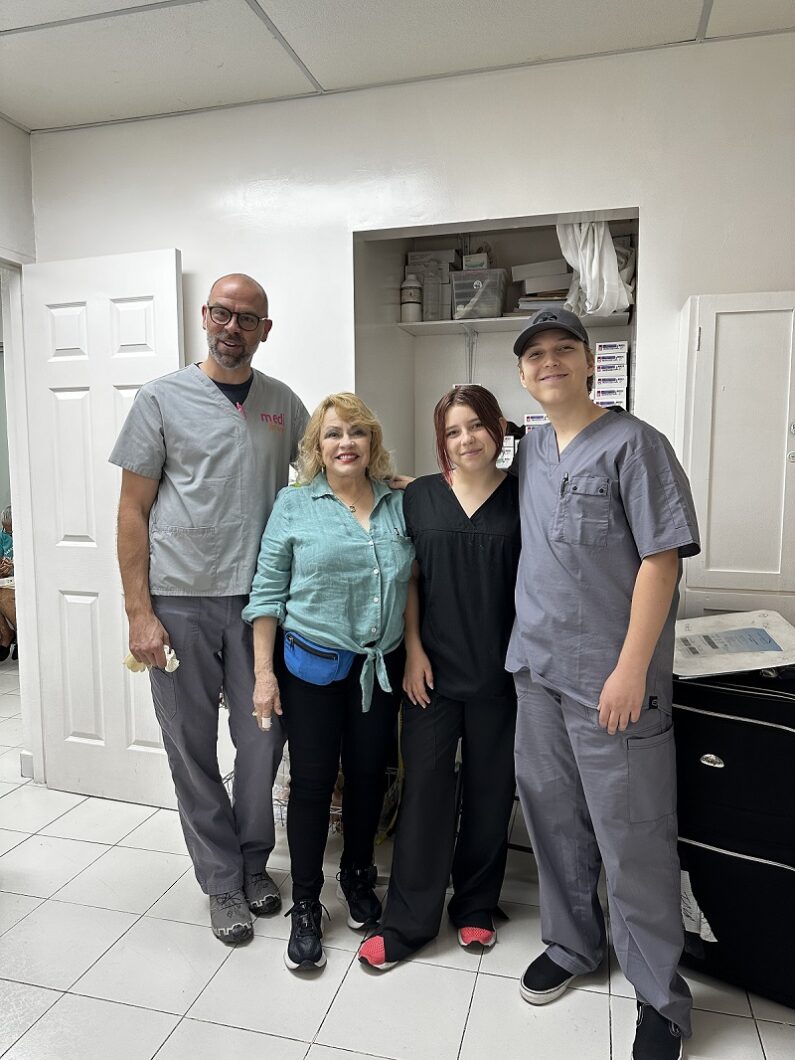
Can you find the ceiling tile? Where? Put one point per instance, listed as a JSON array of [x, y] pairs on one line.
[[741, 16], [153, 62], [17, 13], [358, 42]]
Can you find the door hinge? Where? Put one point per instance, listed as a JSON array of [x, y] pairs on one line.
[[698, 339]]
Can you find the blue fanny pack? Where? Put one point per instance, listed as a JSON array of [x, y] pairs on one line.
[[315, 663]]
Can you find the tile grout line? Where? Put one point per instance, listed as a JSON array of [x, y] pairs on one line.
[[761, 1040], [168, 1037], [41, 902], [335, 996], [38, 1018], [469, 1011], [129, 928], [231, 950]]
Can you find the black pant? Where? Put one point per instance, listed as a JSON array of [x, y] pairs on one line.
[[324, 723], [426, 837]]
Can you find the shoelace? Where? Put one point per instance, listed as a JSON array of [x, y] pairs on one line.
[[228, 898], [259, 877], [361, 882], [305, 917]]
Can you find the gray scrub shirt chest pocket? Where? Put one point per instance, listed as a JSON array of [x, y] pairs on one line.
[[582, 515], [183, 558]]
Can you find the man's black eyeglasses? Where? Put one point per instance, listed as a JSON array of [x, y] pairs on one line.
[[246, 321]]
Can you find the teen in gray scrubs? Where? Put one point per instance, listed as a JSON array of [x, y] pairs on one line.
[[204, 452], [606, 515]]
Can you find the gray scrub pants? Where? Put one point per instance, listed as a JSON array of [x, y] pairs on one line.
[[215, 650], [591, 799]]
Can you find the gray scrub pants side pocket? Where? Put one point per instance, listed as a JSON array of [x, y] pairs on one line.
[[651, 765], [164, 694]]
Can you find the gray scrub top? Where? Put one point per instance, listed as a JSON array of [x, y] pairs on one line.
[[219, 470], [615, 496]]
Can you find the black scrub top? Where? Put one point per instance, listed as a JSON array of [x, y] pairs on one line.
[[467, 582]]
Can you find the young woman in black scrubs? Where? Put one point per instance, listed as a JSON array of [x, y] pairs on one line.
[[465, 528]]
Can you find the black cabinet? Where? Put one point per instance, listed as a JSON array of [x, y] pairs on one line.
[[735, 741]]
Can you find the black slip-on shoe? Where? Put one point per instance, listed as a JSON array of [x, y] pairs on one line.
[[543, 981]]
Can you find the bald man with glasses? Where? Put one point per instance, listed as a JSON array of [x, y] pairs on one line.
[[203, 452]]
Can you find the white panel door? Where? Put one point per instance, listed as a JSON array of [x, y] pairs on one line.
[[742, 442], [95, 330]]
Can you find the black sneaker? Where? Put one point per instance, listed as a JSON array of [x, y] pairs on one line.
[[230, 918], [305, 950], [262, 894], [355, 891], [543, 981], [656, 1038]]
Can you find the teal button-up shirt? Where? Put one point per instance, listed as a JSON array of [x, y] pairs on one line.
[[321, 575]]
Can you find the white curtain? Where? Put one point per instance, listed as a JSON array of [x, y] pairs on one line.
[[603, 273]]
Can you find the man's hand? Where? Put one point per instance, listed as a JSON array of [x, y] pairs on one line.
[[266, 698], [147, 638], [418, 677], [6, 567], [621, 699]]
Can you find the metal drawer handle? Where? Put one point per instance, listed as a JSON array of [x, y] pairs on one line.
[[713, 761]]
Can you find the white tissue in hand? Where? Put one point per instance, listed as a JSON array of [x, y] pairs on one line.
[[172, 662]]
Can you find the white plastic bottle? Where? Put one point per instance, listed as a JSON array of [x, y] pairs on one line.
[[411, 300]]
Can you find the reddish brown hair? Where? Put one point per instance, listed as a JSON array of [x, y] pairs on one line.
[[482, 402]]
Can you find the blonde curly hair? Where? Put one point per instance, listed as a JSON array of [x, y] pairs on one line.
[[352, 409]]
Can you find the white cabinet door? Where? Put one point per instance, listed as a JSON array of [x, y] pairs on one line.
[[95, 330], [740, 441]]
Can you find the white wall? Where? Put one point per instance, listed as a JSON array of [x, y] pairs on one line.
[[16, 205], [698, 138], [5, 480]]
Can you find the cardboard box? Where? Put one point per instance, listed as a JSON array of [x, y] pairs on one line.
[[446, 302], [540, 268], [557, 281], [534, 419], [476, 261], [611, 347], [609, 380], [439, 270], [606, 361], [614, 395], [451, 256], [430, 301]]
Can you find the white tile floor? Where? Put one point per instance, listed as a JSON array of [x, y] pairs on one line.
[[105, 951]]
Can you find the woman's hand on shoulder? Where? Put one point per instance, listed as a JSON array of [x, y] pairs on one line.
[[266, 698], [418, 677], [399, 482]]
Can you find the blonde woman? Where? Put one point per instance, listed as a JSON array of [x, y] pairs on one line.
[[333, 572]]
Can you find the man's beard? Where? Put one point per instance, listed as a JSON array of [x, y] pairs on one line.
[[224, 357]]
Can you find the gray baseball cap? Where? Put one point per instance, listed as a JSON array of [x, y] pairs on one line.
[[546, 319]]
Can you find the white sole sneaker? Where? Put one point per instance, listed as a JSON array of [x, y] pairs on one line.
[[544, 968], [377, 967], [476, 945], [304, 965], [543, 997], [356, 925]]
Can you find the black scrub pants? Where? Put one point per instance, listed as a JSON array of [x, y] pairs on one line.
[[326, 723], [425, 844]]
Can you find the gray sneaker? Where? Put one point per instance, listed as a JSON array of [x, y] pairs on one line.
[[262, 894], [230, 918]]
